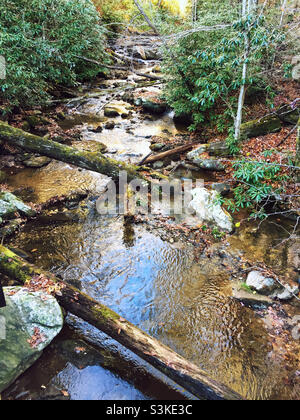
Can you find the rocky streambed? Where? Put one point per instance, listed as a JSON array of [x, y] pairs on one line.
[[199, 300]]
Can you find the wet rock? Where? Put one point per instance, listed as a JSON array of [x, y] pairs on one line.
[[98, 129], [221, 188], [27, 314], [261, 126], [37, 162], [158, 165], [153, 105], [10, 205], [156, 147], [261, 284], [110, 125], [116, 109], [185, 119], [204, 204], [249, 299], [144, 53], [209, 164], [287, 293]]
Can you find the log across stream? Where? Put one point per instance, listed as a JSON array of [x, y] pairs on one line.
[[158, 355]]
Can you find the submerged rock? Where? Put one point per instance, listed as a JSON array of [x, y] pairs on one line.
[[208, 210], [30, 321]]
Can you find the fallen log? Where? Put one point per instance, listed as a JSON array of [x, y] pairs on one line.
[[148, 348], [92, 161], [168, 153]]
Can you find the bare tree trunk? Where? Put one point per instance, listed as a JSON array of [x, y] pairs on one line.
[[247, 6], [184, 373]]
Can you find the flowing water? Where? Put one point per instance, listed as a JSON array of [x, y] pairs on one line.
[[159, 286]]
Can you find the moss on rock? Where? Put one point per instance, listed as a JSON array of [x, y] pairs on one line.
[[261, 127]]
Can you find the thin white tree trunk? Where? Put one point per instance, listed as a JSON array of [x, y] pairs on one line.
[[247, 7]]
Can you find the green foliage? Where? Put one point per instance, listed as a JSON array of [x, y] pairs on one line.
[[255, 185], [115, 12], [245, 287], [40, 40], [207, 73]]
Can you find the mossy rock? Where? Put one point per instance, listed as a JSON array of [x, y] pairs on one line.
[[10, 204], [261, 127], [288, 114], [154, 107]]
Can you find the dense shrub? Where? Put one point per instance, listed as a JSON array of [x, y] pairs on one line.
[[40, 40], [205, 78]]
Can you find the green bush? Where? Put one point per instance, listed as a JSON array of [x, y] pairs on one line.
[[204, 78], [40, 40]]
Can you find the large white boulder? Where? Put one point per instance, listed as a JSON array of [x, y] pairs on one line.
[[207, 208]]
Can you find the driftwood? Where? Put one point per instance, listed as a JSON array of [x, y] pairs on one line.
[[92, 161], [172, 152], [148, 348]]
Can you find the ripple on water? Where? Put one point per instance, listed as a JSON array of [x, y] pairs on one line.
[[160, 288]]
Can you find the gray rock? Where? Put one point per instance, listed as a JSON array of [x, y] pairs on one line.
[[26, 314], [250, 299], [10, 204], [158, 165], [221, 188], [209, 164], [156, 147], [261, 284], [287, 293], [194, 154]]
